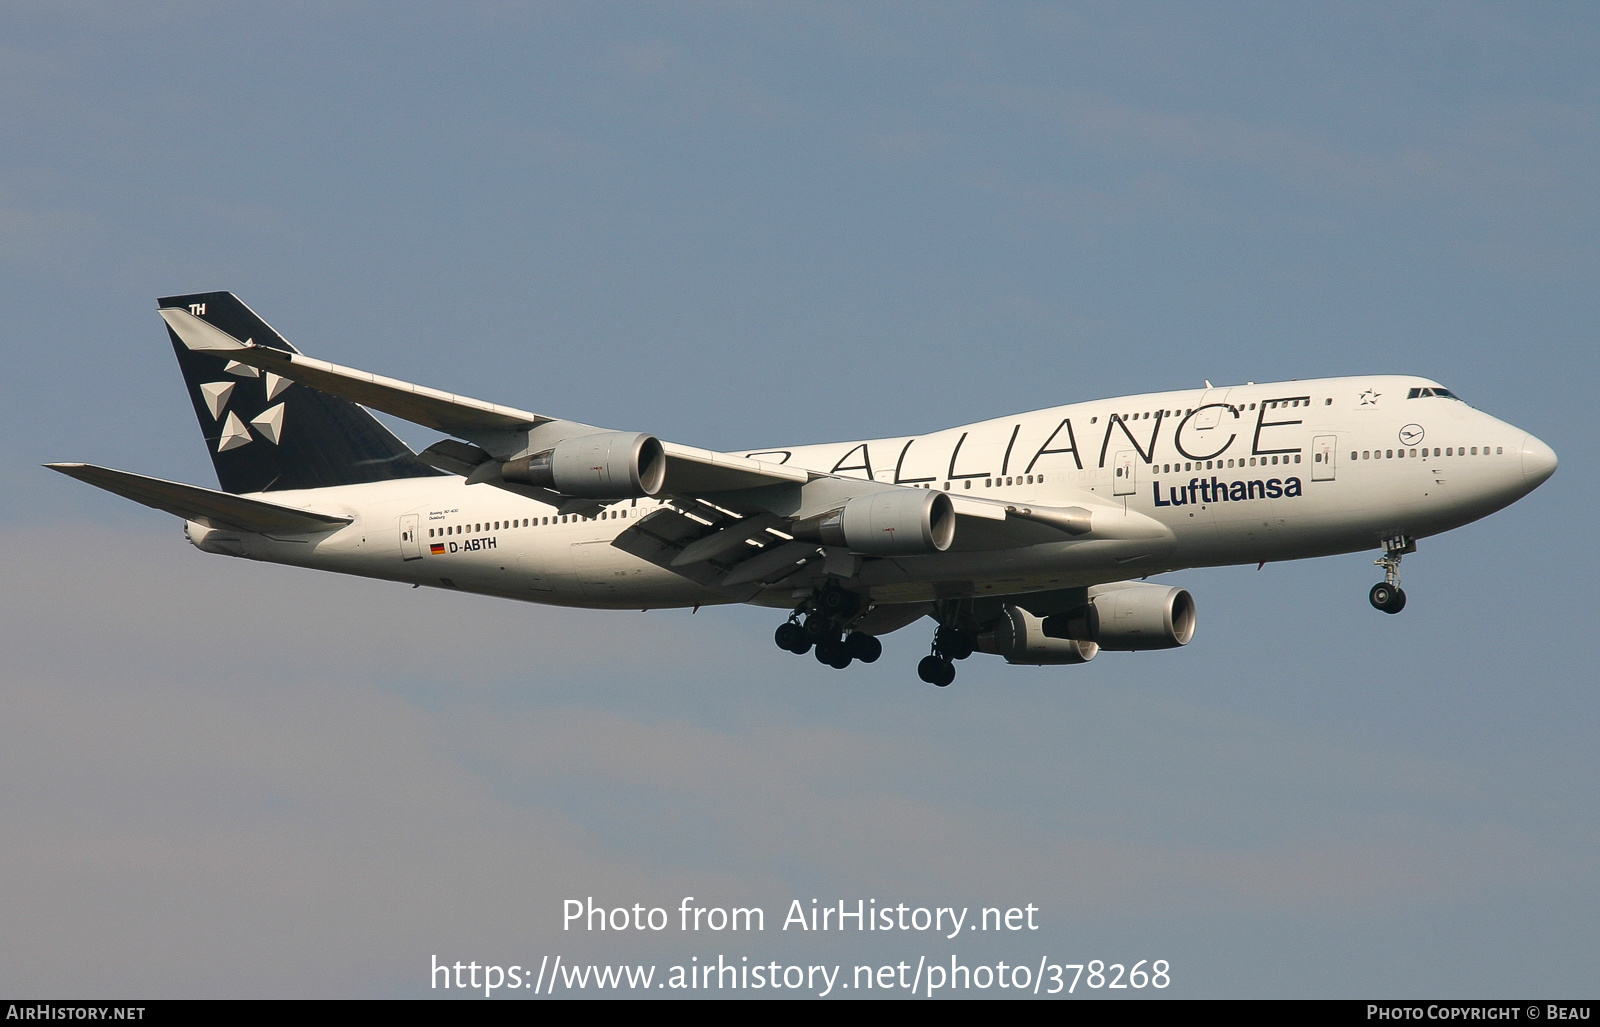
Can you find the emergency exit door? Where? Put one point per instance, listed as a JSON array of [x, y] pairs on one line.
[[1122, 483], [1323, 450], [410, 544]]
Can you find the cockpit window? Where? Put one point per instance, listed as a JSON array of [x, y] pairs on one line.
[[1434, 391]]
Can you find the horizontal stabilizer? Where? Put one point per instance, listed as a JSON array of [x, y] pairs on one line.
[[419, 404], [193, 503]]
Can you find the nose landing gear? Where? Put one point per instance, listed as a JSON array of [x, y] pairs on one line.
[[1387, 595]]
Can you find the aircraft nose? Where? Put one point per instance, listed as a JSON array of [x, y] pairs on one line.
[[1538, 461]]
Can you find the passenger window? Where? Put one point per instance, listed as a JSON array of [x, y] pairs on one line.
[[1297, 458], [1474, 450]]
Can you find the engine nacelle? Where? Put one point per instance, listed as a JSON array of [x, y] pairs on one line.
[[896, 522], [1019, 636], [1128, 617], [603, 465]]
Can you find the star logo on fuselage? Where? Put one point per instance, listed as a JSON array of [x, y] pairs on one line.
[[1370, 398]]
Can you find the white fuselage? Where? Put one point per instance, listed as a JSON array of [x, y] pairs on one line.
[[1232, 475]]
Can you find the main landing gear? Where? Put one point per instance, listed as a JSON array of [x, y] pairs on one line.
[[1387, 595], [819, 624], [949, 644]]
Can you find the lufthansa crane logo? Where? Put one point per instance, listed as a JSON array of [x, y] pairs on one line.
[[1412, 434]]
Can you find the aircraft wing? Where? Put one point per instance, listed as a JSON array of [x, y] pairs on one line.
[[193, 503], [689, 470], [728, 521]]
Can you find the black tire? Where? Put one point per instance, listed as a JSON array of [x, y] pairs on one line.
[[1386, 597], [841, 659], [838, 603], [790, 637], [953, 643], [936, 670], [865, 648], [815, 627]]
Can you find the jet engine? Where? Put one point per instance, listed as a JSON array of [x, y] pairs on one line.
[[896, 522], [1129, 616], [1019, 636], [603, 465]]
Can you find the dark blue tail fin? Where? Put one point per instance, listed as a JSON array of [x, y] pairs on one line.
[[268, 434]]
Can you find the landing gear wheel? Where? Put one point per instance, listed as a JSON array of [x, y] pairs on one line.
[[1386, 597], [834, 653], [790, 636], [815, 627], [865, 648], [836, 603], [953, 643], [936, 670]]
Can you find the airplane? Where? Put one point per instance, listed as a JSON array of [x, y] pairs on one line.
[[1030, 537]]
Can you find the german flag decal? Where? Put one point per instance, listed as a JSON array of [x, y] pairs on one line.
[[437, 549]]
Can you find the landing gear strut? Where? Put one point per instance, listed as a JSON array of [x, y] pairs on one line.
[[949, 644], [1387, 595], [820, 623]]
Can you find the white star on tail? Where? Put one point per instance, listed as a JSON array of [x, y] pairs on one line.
[[234, 434], [216, 396], [270, 424]]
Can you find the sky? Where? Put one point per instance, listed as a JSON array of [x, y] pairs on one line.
[[744, 225]]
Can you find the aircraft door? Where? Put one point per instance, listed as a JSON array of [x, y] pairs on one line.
[[1122, 480], [1323, 450], [410, 544]]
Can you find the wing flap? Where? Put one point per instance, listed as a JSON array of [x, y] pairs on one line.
[[193, 503]]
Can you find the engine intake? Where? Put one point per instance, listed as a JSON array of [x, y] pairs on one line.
[[1020, 637], [1128, 617], [896, 522], [604, 465]]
